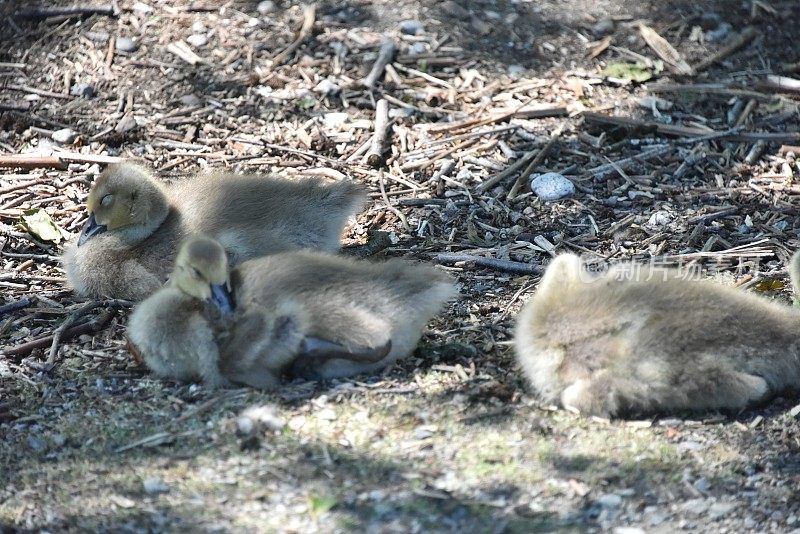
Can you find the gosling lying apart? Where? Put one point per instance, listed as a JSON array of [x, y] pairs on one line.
[[135, 225], [634, 341], [305, 313]]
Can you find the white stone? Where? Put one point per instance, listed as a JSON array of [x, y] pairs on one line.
[[126, 44], [266, 7], [154, 485], [327, 87], [64, 136], [197, 40], [660, 218], [552, 186]]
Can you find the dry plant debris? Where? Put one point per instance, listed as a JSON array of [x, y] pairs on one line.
[[473, 99]]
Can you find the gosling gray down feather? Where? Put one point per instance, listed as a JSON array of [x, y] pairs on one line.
[[635, 340], [136, 224]]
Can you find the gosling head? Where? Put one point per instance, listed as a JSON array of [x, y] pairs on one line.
[[201, 271], [124, 198]]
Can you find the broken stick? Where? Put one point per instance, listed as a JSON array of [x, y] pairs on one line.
[[378, 145], [520, 182], [38, 13], [89, 327], [57, 160], [747, 35], [516, 267], [385, 56], [309, 15]]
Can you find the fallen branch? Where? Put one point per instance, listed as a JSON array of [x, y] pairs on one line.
[[686, 131], [747, 35], [378, 145], [625, 164], [515, 267], [40, 13], [35, 91], [14, 306], [508, 172], [309, 15], [89, 327], [57, 160], [385, 56]]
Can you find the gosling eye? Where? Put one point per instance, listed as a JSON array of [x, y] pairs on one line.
[[196, 273], [107, 200]]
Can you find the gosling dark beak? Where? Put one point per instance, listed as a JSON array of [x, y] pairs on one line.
[[222, 298], [90, 229]]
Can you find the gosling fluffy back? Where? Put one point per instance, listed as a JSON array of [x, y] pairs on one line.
[[636, 340]]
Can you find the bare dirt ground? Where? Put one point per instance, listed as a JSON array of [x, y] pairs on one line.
[[449, 439]]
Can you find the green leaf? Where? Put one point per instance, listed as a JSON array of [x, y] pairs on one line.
[[769, 285], [628, 71], [39, 224], [306, 103], [320, 505]]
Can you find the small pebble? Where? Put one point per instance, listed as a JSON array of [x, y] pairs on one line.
[[126, 44], [142, 8], [264, 418], [98, 37], [718, 510], [83, 90], [702, 485], [327, 87], [660, 218], [516, 70], [266, 7], [411, 27], [64, 136], [417, 48], [603, 26], [199, 27], [197, 40], [153, 486], [36, 444], [190, 100], [551, 186], [609, 501]]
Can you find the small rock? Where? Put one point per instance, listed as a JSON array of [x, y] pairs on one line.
[[656, 518], [199, 27], [266, 7], [126, 44], [453, 9], [64, 136], [125, 124], [702, 485], [411, 27], [58, 440], [660, 218], [695, 506], [327, 414], [690, 446], [423, 432], [153, 486], [516, 70], [245, 426], [609, 501], [794, 412], [98, 37], [718, 34], [36, 444], [603, 27], [417, 48], [190, 100], [122, 502], [264, 417], [83, 90], [718, 510], [197, 40], [334, 120], [327, 87], [552, 186], [464, 175], [142, 8]]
